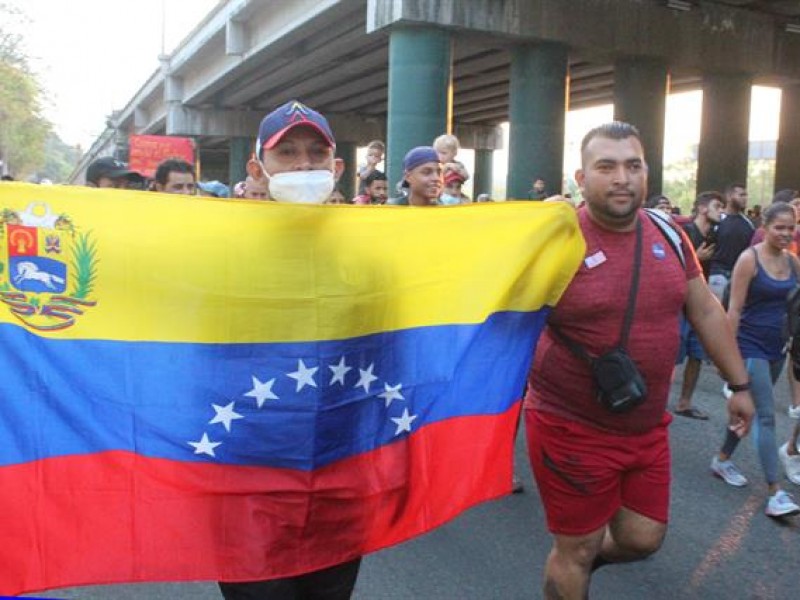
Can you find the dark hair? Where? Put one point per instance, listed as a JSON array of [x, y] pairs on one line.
[[705, 198], [732, 186], [616, 130], [172, 165], [374, 175], [775, 210], [652, 201], [785, 195]]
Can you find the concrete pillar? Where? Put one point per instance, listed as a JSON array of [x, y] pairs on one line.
[[482, 184], [724, 133], [537, 110], [640, 98], [419, 78], [240, 150], [787, 164], [347, 182]]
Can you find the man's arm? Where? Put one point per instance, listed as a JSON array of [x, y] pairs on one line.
[[711, 324]]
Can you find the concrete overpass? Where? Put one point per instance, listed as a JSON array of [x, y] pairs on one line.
[[408, 70]]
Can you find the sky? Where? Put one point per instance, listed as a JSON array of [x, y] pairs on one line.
[[93, 55]]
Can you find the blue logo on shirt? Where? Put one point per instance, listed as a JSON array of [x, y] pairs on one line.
[[658, 251]]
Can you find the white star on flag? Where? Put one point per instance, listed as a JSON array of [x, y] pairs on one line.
[[365, 378], [304, 375], [404, 422], [392, 393], [261, 391], [205, 446], [225, 414], [339, 371]]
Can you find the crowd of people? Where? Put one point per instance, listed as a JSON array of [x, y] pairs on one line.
[[713, 286], [420, 184]]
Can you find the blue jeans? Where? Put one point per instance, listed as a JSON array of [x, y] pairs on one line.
[[763, 375]]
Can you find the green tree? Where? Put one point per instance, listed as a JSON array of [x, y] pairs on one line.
[[680, 183], [23, 129], [60, 159]]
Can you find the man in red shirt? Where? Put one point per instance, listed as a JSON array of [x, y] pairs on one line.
[[603, 476]]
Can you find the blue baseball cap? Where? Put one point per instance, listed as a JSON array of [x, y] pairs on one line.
[[285, 118], [419, 156]]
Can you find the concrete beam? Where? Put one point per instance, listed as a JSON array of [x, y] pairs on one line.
[[235, 38], [182, 120], [723, 152], [787, 165], [479, 137], [711, 36]]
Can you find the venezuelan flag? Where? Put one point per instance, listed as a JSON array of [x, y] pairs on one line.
[[218, 389]]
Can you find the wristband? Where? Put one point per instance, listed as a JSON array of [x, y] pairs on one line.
[[741, 387]]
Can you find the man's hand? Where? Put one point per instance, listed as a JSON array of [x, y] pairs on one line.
[[740, 413], [705, 251]]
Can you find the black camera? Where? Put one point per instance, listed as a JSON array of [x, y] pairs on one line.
[[620, 386]]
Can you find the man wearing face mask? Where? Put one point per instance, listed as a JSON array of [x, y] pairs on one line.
[[295, 150]]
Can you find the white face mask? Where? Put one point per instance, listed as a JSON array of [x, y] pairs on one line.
[[303, 187]]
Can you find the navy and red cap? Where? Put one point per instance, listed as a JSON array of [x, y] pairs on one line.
[[285, 118]]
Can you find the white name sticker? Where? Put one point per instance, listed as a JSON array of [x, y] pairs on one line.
[[595, 260]]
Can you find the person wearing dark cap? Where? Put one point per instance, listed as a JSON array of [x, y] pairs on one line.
[[422, 176], [108, 172], [295, 153]]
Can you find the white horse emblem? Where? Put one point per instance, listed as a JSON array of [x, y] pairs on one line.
[[28, 271]]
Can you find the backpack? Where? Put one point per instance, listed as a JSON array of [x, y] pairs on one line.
[[667, 228]]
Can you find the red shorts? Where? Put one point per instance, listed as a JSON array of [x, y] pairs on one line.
[[585, 474]]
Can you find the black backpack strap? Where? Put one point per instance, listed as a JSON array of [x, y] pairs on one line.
[[667, 228]]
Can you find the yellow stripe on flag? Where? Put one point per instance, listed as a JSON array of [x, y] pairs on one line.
[[191, 269]]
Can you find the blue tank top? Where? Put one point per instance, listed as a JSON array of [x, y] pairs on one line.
[[761, 325]]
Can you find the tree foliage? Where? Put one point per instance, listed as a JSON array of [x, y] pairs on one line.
[[24, 130]]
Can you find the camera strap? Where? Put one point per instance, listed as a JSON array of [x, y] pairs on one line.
[[579, 350]]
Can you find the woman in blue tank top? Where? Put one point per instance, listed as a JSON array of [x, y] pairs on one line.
[[762, 278]]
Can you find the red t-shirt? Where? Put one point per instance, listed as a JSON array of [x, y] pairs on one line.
[[591, 312]]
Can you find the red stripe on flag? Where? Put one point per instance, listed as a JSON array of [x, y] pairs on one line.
[[120, 517]]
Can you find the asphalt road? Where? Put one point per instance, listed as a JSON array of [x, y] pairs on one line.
[[720, 543]]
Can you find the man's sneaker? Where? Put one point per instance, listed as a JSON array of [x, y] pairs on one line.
[[781, 505], [728, 472], [791, 464], [794, 412]]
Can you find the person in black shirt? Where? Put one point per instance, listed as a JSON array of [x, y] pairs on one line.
[[733, 237], [701, 231]]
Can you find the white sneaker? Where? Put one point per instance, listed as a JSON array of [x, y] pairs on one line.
[[728, 472], [791, 464], [726, 391], [781, 505], [794, 412]]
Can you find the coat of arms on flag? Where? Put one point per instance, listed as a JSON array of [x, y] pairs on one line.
[[47, 267]]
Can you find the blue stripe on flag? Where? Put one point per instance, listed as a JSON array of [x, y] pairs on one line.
[[255, 404]]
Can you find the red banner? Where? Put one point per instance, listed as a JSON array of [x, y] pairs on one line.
[[147, 151]]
